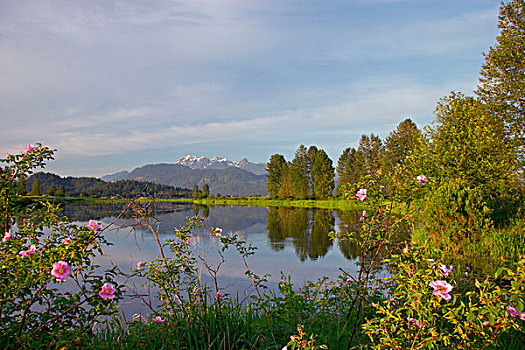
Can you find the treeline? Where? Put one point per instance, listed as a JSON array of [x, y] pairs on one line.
[[311, 173], [53, 185]]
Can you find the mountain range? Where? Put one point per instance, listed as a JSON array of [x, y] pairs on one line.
[[223, 176]]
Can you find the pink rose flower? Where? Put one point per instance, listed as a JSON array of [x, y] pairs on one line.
[[7, 236], [28, 252], [159, 319], [422, 180], [515, 313], [218, 296], [107, 291], [139, 265], [61, 271], [361, 194], [94, 226], [441, 288]]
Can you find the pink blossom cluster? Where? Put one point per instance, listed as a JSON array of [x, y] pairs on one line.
[[159, 319], [31, 250], [67, 240], [413, 320]]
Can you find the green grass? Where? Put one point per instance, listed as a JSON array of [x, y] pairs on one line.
[[267, 202]]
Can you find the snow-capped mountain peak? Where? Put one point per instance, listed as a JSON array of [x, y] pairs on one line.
[[194, 162]]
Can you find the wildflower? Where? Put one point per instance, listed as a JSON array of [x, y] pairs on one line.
[[374, 304], [61, 271], [28, 149], [28, 252], [363, 216], [413, 320], [67, 240], [218, 232], [486, 323], [422, 180], [218, 296], [93, 226], [107, 291], [441, 288], [7, 236], [430, 260], [139, 265], [361, 194], [513, 313], [444, 270], [159, 319]]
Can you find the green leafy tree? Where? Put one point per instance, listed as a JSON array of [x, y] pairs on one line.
[[322, 175], [205, 190], [195, 192], [61, 192], [469, 142], [299, 176], [21, 186], [400, 144], [348, 169], [51, 190], [369, 154], [502, 78], [275, 168], [285, 188], [35, 190]]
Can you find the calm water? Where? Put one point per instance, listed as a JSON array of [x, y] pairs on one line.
[[289, 241]]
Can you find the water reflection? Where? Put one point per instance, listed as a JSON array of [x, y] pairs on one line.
[[308, 230]]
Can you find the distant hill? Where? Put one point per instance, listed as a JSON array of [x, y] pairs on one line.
[[228, 181], [90, 186]]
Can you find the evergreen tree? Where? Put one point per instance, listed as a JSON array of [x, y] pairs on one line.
[[503, 74], [322, 176], [299, 178], [35, 190], [312, 153], [275, 172], [348, 169]]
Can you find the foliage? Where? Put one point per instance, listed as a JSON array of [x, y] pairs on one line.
[[92, 187], [322, 176], [464, 314], [275, 168], [48, 284], [503, 73]]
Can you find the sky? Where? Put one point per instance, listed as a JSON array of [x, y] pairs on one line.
[[113, 85]]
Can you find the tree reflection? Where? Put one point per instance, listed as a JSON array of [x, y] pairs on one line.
[[308, 230]]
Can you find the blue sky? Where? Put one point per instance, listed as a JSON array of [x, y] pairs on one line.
[[113, 85]]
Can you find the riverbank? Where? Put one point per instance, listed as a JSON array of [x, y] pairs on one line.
[[267, 202]]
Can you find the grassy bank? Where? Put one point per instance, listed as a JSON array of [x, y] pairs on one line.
[[267, 202]]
